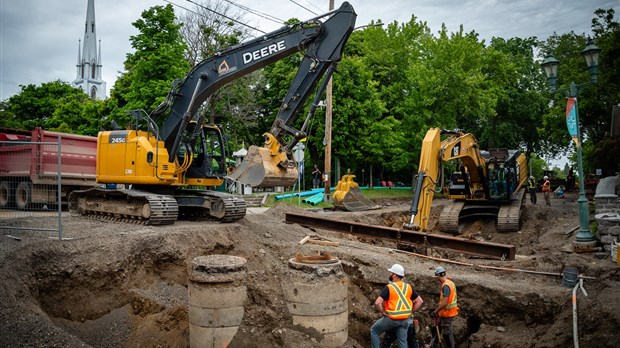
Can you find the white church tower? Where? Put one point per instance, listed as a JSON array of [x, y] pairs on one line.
[[88, 76]]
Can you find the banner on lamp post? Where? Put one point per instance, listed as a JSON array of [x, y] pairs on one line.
[[571, 119]]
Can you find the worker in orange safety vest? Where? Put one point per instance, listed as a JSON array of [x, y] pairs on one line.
[[396, 302], [546, 189], [447, 308]]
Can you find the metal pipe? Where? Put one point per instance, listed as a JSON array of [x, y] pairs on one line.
[[581, 277], [575, 331], [59, 188]]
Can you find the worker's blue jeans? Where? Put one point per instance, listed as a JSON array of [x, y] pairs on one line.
[[384, 324]]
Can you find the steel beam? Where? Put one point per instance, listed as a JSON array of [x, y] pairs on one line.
[[400, 236]]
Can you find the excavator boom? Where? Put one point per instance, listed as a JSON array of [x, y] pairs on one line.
[[273, 164]]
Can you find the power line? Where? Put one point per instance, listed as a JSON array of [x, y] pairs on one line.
[[185, 8], [256, 12], [305, 8], [222, 15], [313, 5]]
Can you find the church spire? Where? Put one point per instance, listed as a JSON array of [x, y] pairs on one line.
[[88, 76], [79, 58]]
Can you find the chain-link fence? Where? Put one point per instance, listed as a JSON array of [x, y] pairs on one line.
[[38, 171], [30, 185]]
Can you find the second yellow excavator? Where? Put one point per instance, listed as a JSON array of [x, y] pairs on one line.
[[486, 183]]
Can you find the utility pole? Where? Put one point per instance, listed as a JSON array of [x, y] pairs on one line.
[[328, 134]]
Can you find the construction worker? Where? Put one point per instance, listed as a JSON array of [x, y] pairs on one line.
[[412, 341], [531, 185], [396, 302], [447, 307], [546, 189], [316, 177]]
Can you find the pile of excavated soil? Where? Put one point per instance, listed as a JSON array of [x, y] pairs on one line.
[[117, 284]]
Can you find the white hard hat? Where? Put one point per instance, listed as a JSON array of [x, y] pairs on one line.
[[398, 270], [440, 271], [531, 177], [545, 177]]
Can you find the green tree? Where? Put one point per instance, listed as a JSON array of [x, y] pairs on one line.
[[595, 101], [206, 33], [157, 61], [54, 106], [521, 105]]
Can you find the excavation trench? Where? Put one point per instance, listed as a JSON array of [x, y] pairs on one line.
[[121, 285]]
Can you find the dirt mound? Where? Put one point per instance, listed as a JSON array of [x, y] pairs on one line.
[[114, 285]]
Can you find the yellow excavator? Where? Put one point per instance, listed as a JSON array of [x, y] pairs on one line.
[[171, 171], [486, 184]]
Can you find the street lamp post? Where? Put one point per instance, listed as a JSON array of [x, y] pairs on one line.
[[550, 65]]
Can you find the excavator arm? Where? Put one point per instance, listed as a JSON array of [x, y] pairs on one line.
[[322, 43], [435, 151]]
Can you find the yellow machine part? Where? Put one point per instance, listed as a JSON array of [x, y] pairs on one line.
[[133, 157], [266, 166], [431, 146], [347, 196]]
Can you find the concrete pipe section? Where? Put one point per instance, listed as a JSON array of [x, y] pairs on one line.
[[316, 297], [216, 298]]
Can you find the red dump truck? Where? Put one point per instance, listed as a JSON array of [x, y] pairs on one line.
[[29, 169]]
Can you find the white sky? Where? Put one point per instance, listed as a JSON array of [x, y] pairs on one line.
[[39, 38]]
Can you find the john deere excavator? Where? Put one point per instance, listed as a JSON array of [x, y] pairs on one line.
[[486, 184], [168, 169]]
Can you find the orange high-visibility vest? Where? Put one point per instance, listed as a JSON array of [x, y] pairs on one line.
[[399, 304], [546, 186], [451, 310]]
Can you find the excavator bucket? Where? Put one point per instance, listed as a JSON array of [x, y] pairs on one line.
[[348, 196], [259, 169]]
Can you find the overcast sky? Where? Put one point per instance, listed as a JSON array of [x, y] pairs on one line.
[[39, 38]]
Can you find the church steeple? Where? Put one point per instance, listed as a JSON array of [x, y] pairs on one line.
[[88, 76]]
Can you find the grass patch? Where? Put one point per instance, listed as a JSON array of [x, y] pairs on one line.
[[382, 193]]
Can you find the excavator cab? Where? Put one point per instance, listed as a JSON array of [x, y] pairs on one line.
[[208, 156]]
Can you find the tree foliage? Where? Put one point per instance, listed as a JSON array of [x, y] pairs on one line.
[[392, 85], [595, 101], [54, 106], [158, 60]]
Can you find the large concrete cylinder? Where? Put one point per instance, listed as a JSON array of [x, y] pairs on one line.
[[216, 298], [316, 297]]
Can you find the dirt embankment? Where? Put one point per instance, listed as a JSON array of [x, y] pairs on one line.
[[118, 285]]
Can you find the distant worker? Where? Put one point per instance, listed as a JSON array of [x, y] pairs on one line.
[[546, 189], [396, 302], [447, 308], [316, 177], [531, 185]]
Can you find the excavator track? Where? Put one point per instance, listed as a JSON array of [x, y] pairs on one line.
[[133, 206], [208, 205], [449, 218], [509, 214]]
